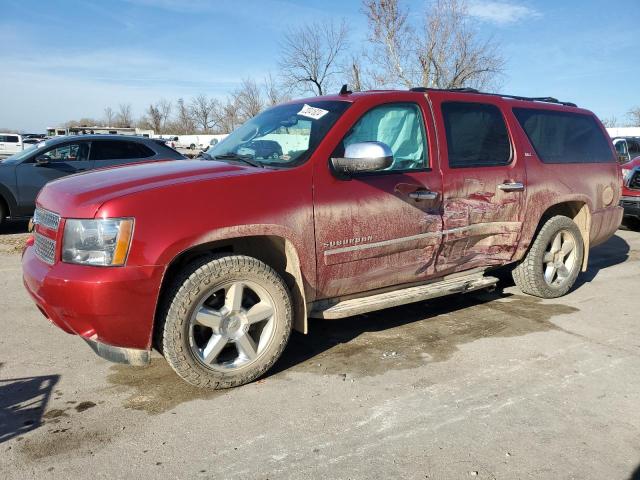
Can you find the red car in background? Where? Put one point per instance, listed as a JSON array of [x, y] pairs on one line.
[[630, 199]]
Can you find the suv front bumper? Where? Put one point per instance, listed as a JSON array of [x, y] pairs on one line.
[[631, 205], [112, 308]]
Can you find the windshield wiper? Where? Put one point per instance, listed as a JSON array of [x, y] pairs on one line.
[[235, 156]]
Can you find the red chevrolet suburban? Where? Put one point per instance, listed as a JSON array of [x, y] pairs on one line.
[[370, 200]]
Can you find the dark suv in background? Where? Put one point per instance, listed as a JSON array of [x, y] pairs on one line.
[[25, 173]]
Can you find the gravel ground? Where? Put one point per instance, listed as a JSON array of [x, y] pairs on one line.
[[488, 385]]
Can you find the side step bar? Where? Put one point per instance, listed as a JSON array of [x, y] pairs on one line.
[[331, 310]]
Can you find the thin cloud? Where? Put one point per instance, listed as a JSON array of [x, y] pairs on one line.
[[501, 13]]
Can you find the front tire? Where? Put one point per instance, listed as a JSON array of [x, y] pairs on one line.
[[553, 262], [228, 321]]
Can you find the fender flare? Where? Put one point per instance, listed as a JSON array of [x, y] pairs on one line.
[[302, 275]]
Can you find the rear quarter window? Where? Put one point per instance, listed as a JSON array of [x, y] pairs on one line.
[[119, 150], [564, 137]]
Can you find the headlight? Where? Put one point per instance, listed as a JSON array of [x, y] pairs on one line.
[[97, 242], [626, 173]]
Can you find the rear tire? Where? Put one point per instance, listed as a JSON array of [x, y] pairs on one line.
[[554, 260], [3, 213], [227, 321]]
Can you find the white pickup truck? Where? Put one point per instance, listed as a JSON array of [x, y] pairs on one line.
[[10, 143]]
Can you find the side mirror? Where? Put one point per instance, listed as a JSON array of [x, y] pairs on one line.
[[363, 157], [42, 160]]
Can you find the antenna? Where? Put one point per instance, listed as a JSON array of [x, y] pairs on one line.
[[345, 90]]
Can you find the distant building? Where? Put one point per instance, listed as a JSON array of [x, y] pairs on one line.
[[87, 130]]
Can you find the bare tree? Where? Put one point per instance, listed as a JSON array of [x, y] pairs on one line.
[[124, 117], [310, 56], [184, 119], [82, 122], [109, 115], [610, 122], [154, 118], [273, 92], [442, 51], [634, 116], [249, 99], [165, 108], [355, 74], [228, 116], [203, 111]]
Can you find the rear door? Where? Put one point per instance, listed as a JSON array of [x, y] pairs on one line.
[[56, 162], [375, 230], [484, 180], [106, 153]]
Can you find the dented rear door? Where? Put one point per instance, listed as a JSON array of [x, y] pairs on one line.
[[484, 182]]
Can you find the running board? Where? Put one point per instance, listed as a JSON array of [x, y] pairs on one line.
[[357, 306]]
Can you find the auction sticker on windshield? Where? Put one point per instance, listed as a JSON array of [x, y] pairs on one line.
[[312, 112]]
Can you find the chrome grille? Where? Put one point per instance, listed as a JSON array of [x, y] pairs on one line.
[[45, 248], [46, 218]]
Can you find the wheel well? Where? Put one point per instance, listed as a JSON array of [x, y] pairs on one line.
[[276, 252], [4, 207], [579, 212]]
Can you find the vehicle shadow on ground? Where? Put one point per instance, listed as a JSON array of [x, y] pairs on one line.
[[22, 404], [14, 226], [636, 474], [613, 252], [433, 329], [327, 334]]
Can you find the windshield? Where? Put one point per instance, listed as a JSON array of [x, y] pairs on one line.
[[18, 157], [282, 136]]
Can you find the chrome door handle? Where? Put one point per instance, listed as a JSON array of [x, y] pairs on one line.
[[423, 195], [511, 186]]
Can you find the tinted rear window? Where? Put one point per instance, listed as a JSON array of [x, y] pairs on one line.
[[564, 137], [634, 146], [9, 138], [119, 150], [476, 135]]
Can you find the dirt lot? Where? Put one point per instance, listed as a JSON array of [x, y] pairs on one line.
[[489, 385]]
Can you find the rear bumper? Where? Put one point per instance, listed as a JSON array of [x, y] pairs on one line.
[[604, 224], [631, 206], [130, 356], [111, 308]]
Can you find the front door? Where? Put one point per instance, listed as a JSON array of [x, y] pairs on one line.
[[484, 184], [54, 163], [378, 229]]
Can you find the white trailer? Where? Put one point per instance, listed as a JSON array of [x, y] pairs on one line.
[[623, 131], [199, 142]]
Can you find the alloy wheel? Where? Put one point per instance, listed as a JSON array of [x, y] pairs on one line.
[[560, 258], [232, 326]]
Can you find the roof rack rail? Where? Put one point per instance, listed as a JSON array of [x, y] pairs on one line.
[[514, 97]]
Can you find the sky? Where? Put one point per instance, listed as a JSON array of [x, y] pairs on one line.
[[69, 59]]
